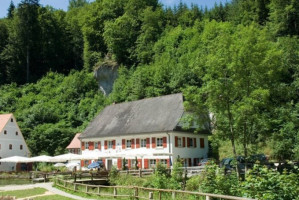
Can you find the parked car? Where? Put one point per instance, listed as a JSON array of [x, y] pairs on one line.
[[206, 161], [228, 165]]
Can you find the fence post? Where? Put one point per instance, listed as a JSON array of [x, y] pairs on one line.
[[173, 195], [136, 193], [115, 192], [75, 187], [208, 198], [151, 195], [64, 183], [98, 190], [86, 189], [140, 173], [160, 195]]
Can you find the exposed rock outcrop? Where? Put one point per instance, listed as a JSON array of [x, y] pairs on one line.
[[106, 73]]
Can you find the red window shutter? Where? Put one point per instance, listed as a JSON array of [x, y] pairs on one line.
[[91, 146], [119, 163], [145, 163], [164, 142], [103, 160], [188, 142], [89, 161], [147, 143], [153, 142], [168, 163], [195, 142], [82, 163], [137, 143], [189, 162], [176, 141], [105, 144], [139, 163], [82, 146], [113, 144], [202, 143], [129, 163], [99, 145], [123, 144], [184, 142], [157, 161], [132, 143]]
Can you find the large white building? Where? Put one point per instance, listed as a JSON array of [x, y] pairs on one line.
[[12, 143], [149, 130]]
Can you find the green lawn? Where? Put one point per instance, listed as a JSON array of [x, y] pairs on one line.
[[24, 193], [51, 197]]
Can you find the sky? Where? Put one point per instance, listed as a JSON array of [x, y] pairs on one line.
[[62, 4]]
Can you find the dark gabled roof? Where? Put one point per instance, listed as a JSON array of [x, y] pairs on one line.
[[150, 115]]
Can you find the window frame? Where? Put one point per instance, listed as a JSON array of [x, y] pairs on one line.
[[21, 147], [96, 145], [110, 144], [86, 145], [128, 141], [159, 142], [180, 142], [10, 147], [143, 142]]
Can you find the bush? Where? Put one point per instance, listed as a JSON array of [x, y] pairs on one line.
[[263, 183]]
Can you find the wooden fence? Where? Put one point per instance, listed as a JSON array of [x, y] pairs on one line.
[[137, 193], [188, 171]]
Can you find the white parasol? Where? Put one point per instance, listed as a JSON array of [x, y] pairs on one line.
[[16, 159]]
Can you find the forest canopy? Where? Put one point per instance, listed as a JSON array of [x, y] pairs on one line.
[[238, 60]]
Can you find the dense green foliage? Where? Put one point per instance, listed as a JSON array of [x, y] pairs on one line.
[[238, 61], [51, 111], [261, 183]]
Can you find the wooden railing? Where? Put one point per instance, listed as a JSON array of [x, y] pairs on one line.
[[138, 192], [189, 171]]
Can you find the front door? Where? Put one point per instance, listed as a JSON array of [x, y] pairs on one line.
[[109, 164]]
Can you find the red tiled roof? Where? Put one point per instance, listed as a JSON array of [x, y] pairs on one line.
[[4, 118], [75, 143]]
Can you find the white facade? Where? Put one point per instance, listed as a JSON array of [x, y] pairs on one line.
[[148, 148], [12, 143]]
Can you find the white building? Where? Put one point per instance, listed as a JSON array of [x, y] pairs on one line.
[[12, 143], [149, 129]]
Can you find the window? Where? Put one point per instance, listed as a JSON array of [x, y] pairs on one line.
[[152, 163], [128, 144], [21, 147], [10, 146], [86, 145], [0, 158], [5, 132], [202, 143], [11, 120], [163, 162], [96, 145], [86, 162], [110, 144], [17, 133], [191, 142], [180, 142], [159, 142], [143, 143]]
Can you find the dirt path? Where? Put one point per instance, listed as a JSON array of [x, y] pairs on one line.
[[47, 186]]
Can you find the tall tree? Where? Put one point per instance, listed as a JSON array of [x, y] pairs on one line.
[[77, 3], [29, 28], [10, 10]]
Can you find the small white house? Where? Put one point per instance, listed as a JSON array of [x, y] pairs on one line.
[[12, 143], [149, 130]]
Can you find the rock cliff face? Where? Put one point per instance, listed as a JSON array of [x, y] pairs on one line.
[[106, 74]]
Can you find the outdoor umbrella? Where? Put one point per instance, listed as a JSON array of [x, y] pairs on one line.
[[59, 165], [16, 159], [42, 158], [96, 164], [71, 165], [65, 157]]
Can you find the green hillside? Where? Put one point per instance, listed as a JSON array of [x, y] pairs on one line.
[[239, 61]]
